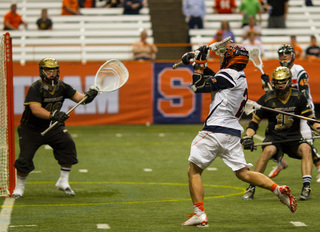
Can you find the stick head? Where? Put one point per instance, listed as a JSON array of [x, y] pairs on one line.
[[220, 47], [250, 107], [111, 76], [255, 57]]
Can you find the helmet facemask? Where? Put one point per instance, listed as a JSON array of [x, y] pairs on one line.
[[286, 55], [281, 80], [49, 71]]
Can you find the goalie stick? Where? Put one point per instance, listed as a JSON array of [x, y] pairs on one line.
[[255, 57], [218, 47], [111, 76], [251, 106]]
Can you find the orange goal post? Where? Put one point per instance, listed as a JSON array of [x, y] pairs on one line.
[[7, 153]]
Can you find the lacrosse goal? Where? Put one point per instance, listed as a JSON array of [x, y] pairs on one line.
[[7, 154]]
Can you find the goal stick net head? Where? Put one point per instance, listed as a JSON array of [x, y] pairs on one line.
[[111, 76]]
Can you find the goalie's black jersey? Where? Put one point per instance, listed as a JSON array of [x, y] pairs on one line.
[[282, 126], [50, 100]]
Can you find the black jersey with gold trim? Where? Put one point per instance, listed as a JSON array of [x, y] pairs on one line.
[[50, 100], [282, 126]]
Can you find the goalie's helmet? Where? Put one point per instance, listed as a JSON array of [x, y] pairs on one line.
[[49, 70], [286, 55], [281, 80], [235, 56]]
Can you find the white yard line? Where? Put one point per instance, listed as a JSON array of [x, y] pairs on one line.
[[5, 214]]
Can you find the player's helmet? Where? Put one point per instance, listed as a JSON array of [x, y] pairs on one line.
[[235, 56], [281, 75], [47, 65], [286, 49]]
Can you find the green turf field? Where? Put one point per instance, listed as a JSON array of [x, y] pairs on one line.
[[134, 178]]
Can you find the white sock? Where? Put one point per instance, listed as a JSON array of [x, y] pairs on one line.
[[21, 181], [276, 191], [64, 175]]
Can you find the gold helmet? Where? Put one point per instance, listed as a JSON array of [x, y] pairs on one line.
[[281, 75], [48, 66]]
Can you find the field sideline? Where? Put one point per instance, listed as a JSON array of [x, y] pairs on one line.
[[134, 178]]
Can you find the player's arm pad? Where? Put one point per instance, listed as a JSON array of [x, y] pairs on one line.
[[201, 83], [253, 125], [208, 72]]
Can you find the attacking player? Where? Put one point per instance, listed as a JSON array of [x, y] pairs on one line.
[[282, 127], [221, 133], [42, 107], [300, 78]]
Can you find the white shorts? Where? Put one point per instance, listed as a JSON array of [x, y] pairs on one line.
[[207, 146]]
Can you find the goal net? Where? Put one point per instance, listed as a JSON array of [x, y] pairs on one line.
[[7, 155]]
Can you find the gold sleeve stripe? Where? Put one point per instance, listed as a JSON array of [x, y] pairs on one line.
[[29, 103]]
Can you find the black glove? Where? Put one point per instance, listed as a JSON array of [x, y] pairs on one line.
[[59, 116], [201, 55], [265, 79], [247, 143], [91, 94], [187, 57]]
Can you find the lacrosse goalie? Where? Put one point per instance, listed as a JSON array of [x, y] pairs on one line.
[[282, 127], [220, 136], [42, 107]]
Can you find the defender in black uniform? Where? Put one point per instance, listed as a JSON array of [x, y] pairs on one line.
[[42, 107], [282, 127]]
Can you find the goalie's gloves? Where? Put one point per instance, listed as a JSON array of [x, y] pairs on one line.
[[200, 60], [247, 142], [91, 94], [59, 116], [187, 58]]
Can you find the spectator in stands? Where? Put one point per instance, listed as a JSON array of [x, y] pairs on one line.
[[224, 6], [217, 38], [298, 50], [133, 6], [70, 7], [249, 8], [87, 3], [44, 23], [142, 50], [225, 27], [194, 11], [114, 3], [309, 3], [12, 20], [252, 42], [278, 10], [252, 26], [313, 51]]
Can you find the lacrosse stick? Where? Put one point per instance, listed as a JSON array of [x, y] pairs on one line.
[[252, 106], [111, 76], [255, 57], [282, 141], [219, 48]]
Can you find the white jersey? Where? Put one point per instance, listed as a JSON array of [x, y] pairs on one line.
[[227, 103], [297, 72]]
